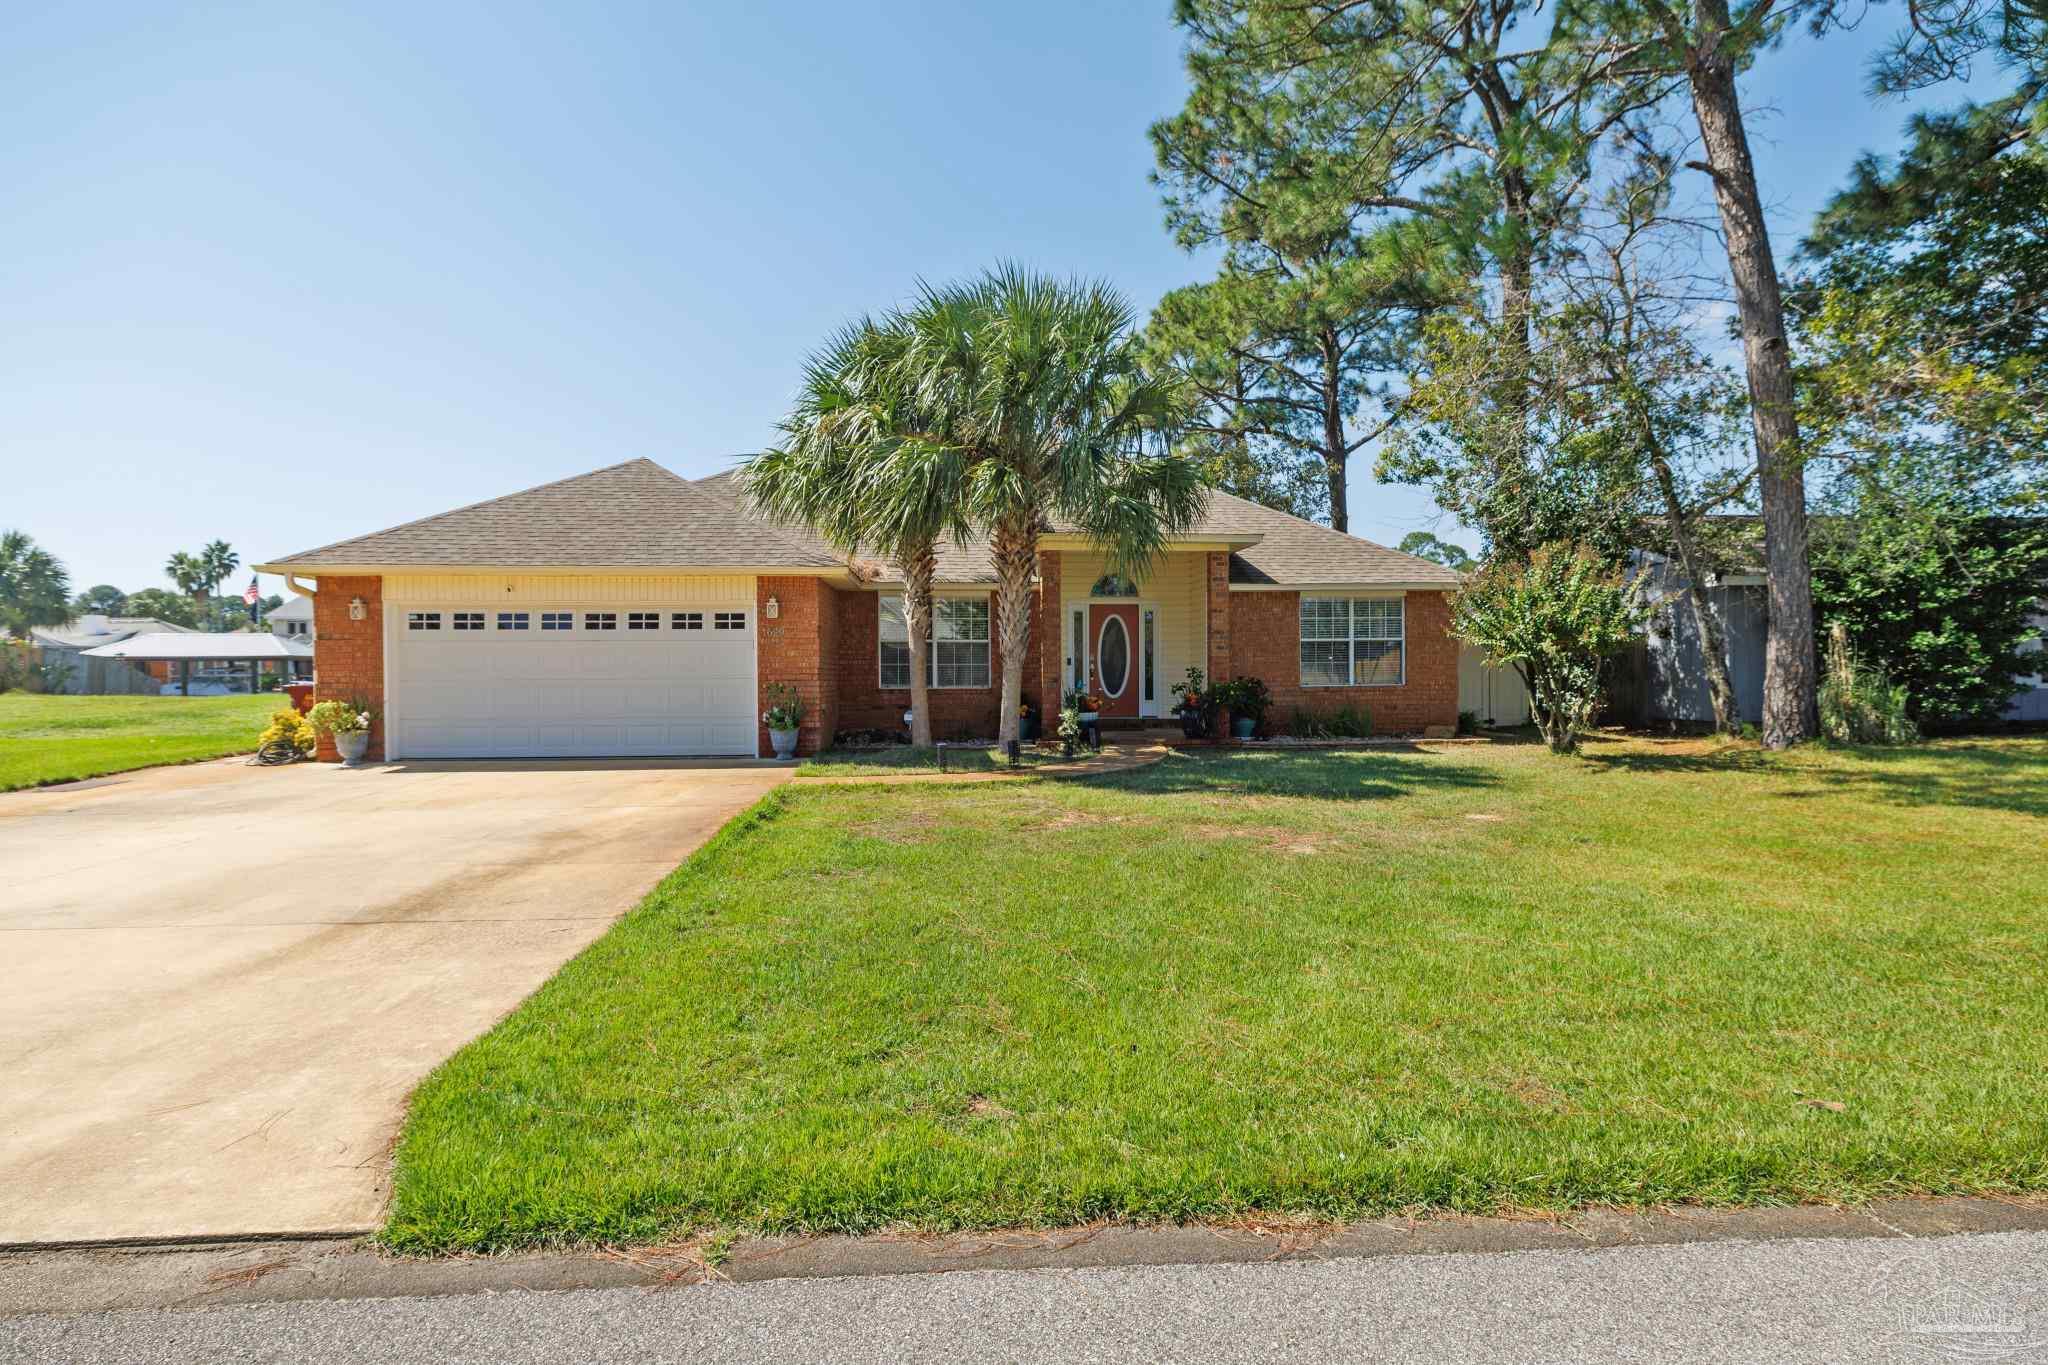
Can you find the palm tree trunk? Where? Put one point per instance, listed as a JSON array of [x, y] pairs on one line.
[[1713, 647], [1016, 559], [1790, 714], [918, 571]]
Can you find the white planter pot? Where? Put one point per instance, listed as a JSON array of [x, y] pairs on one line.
[[784, 742], [352, 745]]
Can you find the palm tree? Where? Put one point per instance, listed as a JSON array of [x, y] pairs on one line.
[[189, 572], [857, 466], [34, 588], [220, 561], [1037, 384]]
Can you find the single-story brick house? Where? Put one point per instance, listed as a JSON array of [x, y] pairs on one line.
[[629, 611]]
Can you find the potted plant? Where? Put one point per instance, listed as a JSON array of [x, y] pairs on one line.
[[1193, 709], [1027, 724], [1070, 730], [1247, 700], [784, 714], [349, 724]]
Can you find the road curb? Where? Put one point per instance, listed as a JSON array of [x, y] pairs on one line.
[[216, 1272]]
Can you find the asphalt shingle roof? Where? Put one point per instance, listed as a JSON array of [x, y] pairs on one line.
[[1289, 551], [639, 514], [629, 515]]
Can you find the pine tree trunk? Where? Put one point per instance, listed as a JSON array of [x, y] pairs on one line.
[[1015, 547], [1789, 715], [918, 572], [1713, 646], [1334, 458]]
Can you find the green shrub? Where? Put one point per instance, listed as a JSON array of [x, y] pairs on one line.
[[289, 725], [1858, 703]]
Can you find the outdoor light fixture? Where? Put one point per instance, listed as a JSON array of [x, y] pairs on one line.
[[774, 608], [358, 609]]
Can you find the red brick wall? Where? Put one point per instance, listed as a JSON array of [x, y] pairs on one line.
[[1265, 643], [798, 647], [348, 656], [1220, 617], [1052, 665], [957, 712]]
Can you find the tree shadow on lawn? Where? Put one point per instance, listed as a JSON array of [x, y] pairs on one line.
[[1333, 774], [1981, 776]]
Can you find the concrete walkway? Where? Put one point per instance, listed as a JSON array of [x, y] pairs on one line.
[[223, 981]]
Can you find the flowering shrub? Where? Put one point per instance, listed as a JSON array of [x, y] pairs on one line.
[[292, 727], [785, 708], [341, 717]]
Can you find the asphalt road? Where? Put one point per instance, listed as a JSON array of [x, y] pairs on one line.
[[1978, 1297]]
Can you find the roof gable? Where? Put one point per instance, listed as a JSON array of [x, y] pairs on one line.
[[631, 515]]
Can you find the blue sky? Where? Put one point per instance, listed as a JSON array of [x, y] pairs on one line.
[[282, 275]]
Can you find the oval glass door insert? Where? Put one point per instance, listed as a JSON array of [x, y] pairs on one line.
[[1113, 656]]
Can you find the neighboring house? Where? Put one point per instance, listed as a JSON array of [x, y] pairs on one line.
[[2030, 703], [630, 611], [64, 647], [293, 619], [208, 663], [1671, 663], [1667, 681]]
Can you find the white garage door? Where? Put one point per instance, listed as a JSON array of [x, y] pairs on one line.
[[572, 682]]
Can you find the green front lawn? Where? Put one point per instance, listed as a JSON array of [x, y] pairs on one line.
[[46, 739], [1331, 983]]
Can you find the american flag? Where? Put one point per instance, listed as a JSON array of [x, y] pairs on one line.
[[249, 597]]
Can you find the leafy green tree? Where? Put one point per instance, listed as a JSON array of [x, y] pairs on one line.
[[1930, 588], [34, 588], [858, 464], [1038, 387], [1427, 546], [190, 572], [170, 608], [1554, 618], [1922, 323], [1282, 350], [1352, 154], [1709, 42], [1923, 316], [102, 598]]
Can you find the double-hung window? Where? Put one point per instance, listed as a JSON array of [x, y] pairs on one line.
[[958, 652], [1351, 642]]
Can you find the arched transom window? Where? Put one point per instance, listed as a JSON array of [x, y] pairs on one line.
[[1113, 585]]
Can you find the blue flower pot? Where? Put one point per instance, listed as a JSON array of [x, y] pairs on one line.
[[1243, 726]]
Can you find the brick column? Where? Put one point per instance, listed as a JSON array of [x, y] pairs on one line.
[[800, 646], [1050, 624], [348, 655], [1219, 616]]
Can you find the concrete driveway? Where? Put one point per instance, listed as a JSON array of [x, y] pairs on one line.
[[222, 982]]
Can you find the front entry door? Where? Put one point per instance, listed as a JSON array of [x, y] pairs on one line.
[[1113, 645]]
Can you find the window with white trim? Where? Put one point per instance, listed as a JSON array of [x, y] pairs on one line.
[[558, 620], [686, 620], [1352, 642], [957, 655], [600, 620], [643, 620], [513, 620], [423, 620], [469, 620], [728, 620]]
